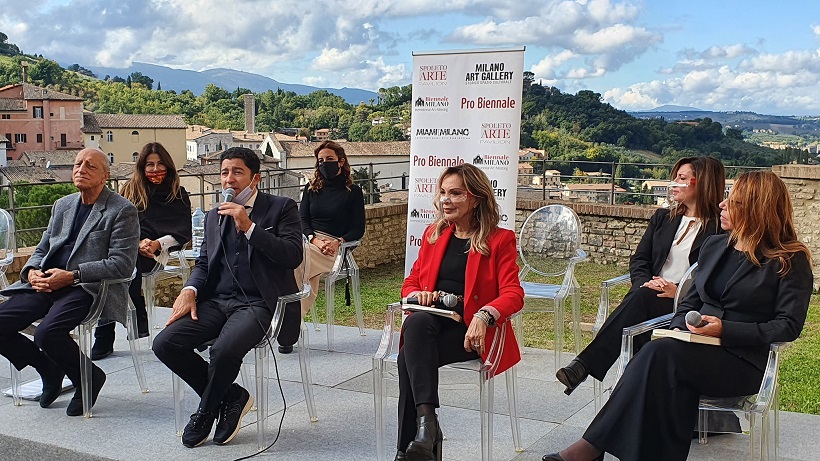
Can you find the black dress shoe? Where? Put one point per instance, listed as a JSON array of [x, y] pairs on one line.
[[75, 406], [400, 456], [231, 413], [52, 376], [285, 349], [103, 342], [572, 375], [427, 445], [198, 428]]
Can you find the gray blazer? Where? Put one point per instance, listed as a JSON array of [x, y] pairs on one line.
[[106, 247]]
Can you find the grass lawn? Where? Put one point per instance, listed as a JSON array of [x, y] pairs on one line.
[[799, 371]]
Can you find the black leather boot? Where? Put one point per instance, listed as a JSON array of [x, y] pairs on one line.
[[572, 375], [400, 456], [427, 445]]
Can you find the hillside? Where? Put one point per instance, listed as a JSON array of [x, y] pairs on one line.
[[228, 79]]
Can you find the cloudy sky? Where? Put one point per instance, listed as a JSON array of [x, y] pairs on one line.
[[753, 55]]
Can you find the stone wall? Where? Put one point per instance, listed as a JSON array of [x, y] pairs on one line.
[[803, 182], [385, 234], [609, 233]]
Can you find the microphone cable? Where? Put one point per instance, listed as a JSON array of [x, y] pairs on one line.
[[267, 339]]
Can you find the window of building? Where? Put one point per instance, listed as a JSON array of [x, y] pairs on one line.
[[135, 156], [8, 136], [109, 136], [38, 112], [20, 137], [39, 137], [63, 140], [5, 116], [135, 136], [92, 137], [111, 158]]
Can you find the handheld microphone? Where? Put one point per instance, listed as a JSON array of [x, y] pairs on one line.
[[695, 319], [448, 300], [229, 194]]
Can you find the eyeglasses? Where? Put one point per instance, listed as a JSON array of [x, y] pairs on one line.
[[454, 197]]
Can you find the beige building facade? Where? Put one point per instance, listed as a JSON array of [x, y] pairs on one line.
[[122, 136]]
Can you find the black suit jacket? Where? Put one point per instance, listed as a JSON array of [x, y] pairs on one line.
[[758, 307], [274, 249], [651, 254]]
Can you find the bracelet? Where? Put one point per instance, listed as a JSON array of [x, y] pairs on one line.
[[490, 319], [484, 316]]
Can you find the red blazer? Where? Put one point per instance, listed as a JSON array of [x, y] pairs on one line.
[[489, 281]]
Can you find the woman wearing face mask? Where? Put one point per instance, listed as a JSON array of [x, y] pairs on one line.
[[669, 246], [332, 212], [165, 222]]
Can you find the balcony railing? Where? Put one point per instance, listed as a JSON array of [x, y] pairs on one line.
[[290, 182]]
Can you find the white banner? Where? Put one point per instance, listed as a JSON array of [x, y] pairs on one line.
[[466, 109]]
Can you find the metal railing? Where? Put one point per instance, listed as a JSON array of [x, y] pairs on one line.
[[291, 182]]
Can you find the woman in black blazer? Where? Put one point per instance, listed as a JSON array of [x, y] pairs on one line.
[[753, 287], [669, 246]]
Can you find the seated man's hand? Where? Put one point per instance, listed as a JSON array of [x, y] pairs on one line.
[[50, 280], [185, 303]]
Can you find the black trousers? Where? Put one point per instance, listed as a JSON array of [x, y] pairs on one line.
[[652, 410], [429, 341], [639, 305], [236, 328], [61, 311]]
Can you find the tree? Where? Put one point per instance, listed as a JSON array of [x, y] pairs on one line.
[[384, 132], [362, 178], [358, 131], [144, 80], [45, 72], [8, 49], [29, 196]]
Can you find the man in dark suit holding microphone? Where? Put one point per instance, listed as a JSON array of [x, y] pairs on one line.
[[252, 244]]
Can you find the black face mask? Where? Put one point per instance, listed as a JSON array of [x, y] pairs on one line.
[[329, 169]]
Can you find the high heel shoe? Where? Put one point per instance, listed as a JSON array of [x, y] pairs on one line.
[[427, 445], [572, 375]]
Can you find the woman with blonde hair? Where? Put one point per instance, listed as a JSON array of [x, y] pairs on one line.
[[165, 222], [752, 287], [669, 246], [466, 257]]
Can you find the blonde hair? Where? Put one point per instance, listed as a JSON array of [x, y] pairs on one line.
[[762, 217], [485, 216]]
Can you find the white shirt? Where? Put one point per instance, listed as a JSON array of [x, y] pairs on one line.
[[678, 259]]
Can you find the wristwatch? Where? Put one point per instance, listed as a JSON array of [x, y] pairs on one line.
[[76, 273]]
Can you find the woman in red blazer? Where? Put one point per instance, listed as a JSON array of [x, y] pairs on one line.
[[465, 254]]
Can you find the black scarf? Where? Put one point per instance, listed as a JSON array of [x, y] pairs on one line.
[[162, 217]]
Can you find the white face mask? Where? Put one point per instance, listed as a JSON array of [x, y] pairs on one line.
[[243, 197]]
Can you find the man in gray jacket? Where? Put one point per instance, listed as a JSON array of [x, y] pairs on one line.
[[92, 235]]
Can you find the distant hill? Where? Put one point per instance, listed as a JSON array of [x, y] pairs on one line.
[[743, 120], [673, 108], [229, 79]]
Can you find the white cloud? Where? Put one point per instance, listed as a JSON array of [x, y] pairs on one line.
[[548, 66]]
